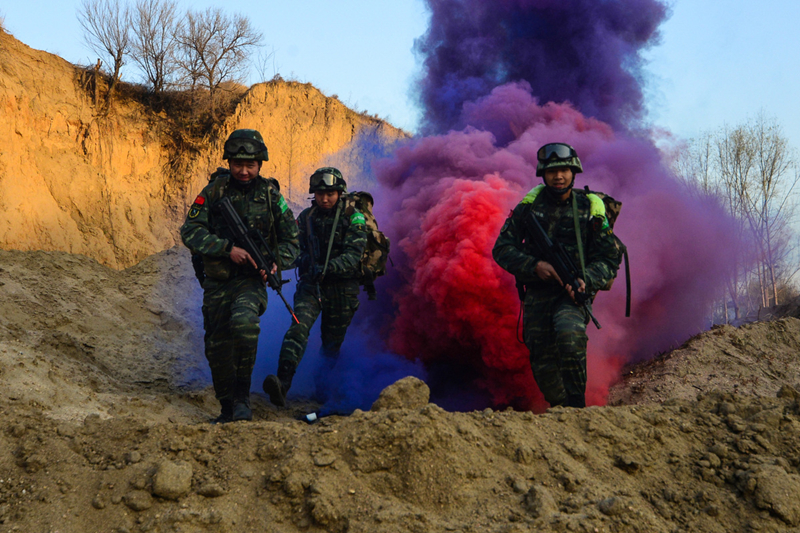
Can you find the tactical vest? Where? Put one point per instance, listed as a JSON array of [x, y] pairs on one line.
[[255, 213], [600, 205]]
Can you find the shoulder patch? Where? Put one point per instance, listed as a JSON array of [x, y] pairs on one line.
[[357, 218], [282, 204], [531, 196], [597, 209], [200, 200], [194, 211]]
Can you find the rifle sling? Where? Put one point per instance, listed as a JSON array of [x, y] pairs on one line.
[[333, 234], [578, 236]]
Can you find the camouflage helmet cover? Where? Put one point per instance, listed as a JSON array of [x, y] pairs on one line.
[[555, 155], [245, 144], [327, 179]]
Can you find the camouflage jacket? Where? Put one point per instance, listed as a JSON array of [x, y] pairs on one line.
[[349, 240], [516, 254], [259, 204]]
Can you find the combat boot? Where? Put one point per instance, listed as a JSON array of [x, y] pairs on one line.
[[277, 387], [226, 413], [242, 411], [272, 388], [241, 400]]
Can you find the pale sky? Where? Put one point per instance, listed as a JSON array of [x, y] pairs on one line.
[[717, 63]]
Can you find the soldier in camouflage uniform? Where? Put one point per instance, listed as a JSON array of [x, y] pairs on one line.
[[234, 292], [332, 240], [554, 325]]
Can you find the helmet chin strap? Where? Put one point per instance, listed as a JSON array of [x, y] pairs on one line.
[[556, 192]]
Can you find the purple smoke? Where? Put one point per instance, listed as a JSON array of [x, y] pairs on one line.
[[586, 52]]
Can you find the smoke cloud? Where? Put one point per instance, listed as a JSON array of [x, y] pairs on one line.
[[502, 79], [586, 52]]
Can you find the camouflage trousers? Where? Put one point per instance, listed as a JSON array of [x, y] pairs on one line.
[[339, 304], [231, 311], [555, 333]]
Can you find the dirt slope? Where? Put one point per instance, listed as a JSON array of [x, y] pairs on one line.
[[99, 435], [102, 187], [748, 360]]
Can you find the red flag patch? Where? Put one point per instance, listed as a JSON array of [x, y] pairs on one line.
[[199, 200]]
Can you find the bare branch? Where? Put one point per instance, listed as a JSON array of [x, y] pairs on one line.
[[107, 32], [154, 23], [215, 48]]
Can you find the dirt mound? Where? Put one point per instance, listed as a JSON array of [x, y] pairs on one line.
[[104, 187], [105, 428], [748, 360]]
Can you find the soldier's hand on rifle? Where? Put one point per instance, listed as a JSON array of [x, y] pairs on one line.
[[240, 257], [581, 288], [272, 271], [546, 272], [315, 273]]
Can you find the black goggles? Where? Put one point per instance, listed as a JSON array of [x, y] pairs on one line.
[[246, 146], [557, 150], [325, 177]]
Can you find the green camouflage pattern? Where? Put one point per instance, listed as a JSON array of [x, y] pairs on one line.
[[349, 242], [337, 302], [554, 330], [231, 312], [340, 184], [261, 206], [573, 162], [554, 326], [336, 296], [254, 135], [235, 297], [514, 254]]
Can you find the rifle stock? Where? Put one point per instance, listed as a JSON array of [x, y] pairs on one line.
[[555, 254], [249, 241]]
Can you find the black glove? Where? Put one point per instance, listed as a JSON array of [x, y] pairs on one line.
[[315, 273]]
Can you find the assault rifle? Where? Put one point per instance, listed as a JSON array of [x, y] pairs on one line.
[[249, 240], [555, 254]]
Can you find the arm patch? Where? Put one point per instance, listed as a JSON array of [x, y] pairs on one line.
[[282, 204], [357, 218]]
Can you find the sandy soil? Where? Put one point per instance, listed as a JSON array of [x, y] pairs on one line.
[[104, 429]]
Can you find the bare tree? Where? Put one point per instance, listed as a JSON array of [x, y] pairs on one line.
[[215, 48], [154, 23], [776, 178], [107, 28], [757, 177]]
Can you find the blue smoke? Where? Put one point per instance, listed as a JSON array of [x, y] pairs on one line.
[[364, 368]]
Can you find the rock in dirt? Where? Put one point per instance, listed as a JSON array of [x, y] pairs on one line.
[[407, 393], [138, 500], [172, 480], [540, 502], [211, 490], [612, 506], [776, 491], [324, 458], [787, 391]]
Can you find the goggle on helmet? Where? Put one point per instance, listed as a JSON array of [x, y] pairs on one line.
[[554, 155], [327, 179], [245, 144]]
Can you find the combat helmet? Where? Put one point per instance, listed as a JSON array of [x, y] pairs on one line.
[[554, 155], [245, 144], [327, 179]]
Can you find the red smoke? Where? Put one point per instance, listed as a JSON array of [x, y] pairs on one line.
[[446, 198]]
